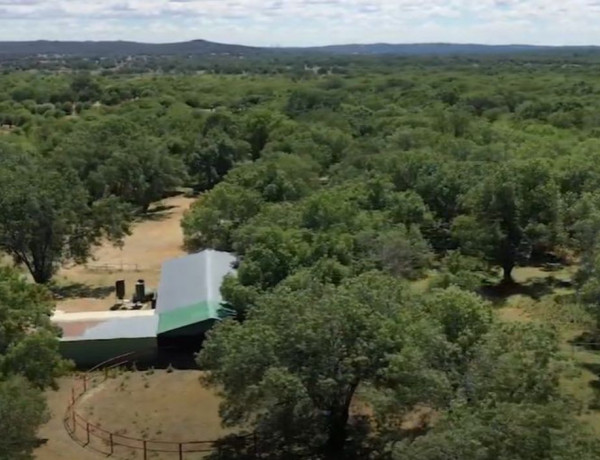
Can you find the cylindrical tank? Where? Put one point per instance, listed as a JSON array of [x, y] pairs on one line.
[[140, 291], [120, 289]]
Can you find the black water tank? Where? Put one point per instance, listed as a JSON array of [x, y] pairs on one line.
[[140, 291], [120, 288]]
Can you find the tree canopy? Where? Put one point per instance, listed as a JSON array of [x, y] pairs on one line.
[[29, 362], [372, 204]]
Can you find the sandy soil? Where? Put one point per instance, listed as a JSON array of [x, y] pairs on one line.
[[152, 405], [58, 445], [91, 287], [158, 406]]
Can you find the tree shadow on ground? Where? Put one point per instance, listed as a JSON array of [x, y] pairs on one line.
[[81, 290], [534, 289], [594, 368], [245, 446], [588, 340], [157, 213]]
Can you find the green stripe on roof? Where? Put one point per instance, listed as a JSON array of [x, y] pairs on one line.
[[185, 316]]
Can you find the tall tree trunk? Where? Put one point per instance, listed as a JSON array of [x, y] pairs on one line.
[[507, 268], [41, 275], [336, 436], [337, 432]]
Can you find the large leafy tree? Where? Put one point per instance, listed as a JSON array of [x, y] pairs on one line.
[[212, 219], [293, 368], [29, 362], [513, 214], [504, 432], [214, 154], [46, 218], [22, 411], [140, 174], [508, 403]]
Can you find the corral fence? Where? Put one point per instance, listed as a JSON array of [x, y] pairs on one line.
[[116, 267], [117, 444]]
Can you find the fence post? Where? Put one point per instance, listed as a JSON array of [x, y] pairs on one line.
[[84, 383], [74, 420], [145, 451], [87, 431], [72, 396], [180, 451], [112, 445]]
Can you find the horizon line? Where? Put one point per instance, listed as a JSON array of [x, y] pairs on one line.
[[309, 46]]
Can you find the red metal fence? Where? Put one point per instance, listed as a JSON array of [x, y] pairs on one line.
[[113, 443]]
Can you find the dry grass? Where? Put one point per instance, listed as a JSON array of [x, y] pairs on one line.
[[154, 405], [58, 444], [583, 383], [151, 243], [157, 405]]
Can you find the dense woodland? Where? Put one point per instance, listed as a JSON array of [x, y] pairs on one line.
[[341, 184]]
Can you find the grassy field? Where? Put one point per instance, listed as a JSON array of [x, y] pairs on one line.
[[153, 405], [156, 404], [545, 296]]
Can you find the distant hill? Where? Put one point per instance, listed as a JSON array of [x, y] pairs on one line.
[[121, 48], [204, 47], [417, 49]]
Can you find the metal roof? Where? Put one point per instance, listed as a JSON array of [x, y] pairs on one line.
[[189, 292], [193, 279], [185, 316], [128, 327]]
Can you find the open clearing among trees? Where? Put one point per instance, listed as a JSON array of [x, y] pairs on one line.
[[539, 299], [384, 214], [153, 240], [156, 404]]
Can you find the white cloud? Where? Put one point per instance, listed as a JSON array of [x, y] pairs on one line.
[[304, 22]]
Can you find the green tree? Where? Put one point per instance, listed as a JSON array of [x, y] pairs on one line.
[[403, 252], [28, 340], [292, 370], [213, 156], [29, 362], [46, 218], [504, 432], [517, 363], [22, 411], [513, 215], [140, 174], [212, 219]]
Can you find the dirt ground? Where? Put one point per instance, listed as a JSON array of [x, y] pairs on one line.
[[90, 287], [167, 406], [155, 405], [58, 445]]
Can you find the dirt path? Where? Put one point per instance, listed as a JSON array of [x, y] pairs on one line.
[[90, 287], [152, 405], [59, 446]]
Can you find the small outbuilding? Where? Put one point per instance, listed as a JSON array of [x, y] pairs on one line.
[[189, 298], [94, 337], [188, 304]]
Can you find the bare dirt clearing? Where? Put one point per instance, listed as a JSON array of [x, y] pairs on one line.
[[153, 405], [58, 444], [160, 405], [152, 241]]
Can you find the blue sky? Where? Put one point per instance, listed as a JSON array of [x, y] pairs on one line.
[[305, 22]]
